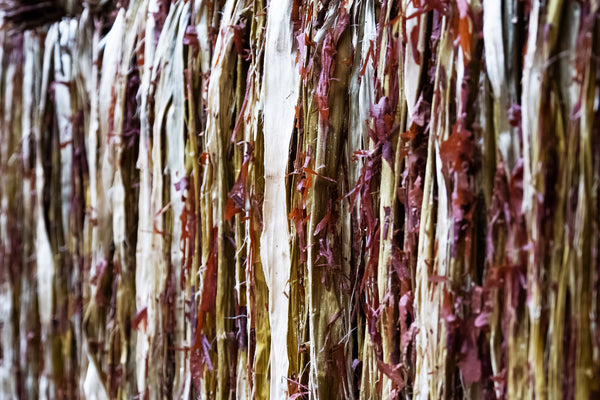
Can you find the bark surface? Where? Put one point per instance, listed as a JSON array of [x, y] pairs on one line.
[[313, 199]]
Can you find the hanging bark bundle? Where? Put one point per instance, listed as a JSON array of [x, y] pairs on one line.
[[300, 199]]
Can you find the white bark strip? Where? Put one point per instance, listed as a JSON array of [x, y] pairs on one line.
[[144, 273], [281, 93]]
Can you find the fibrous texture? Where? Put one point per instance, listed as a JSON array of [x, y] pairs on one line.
[[323, 199]]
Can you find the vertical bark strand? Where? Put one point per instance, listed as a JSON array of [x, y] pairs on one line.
[[280, 86]]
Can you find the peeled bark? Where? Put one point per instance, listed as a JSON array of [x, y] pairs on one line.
[[299, 199]]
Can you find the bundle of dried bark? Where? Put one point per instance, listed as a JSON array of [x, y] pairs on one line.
[[299, 198]]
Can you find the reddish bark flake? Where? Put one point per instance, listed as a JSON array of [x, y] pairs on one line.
[[464, 28], [237, 195], [458, 151], [469, 363], [394, 372], [140, 318], [239, 39], [297, 217], [414, 42], [190, 38], [370, 55]]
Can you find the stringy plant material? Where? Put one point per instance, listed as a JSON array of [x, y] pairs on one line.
[[300, 199]]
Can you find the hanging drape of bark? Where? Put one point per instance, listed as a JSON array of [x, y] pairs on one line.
[[333, 199]]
